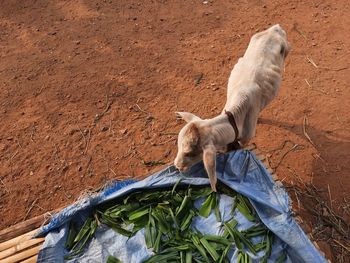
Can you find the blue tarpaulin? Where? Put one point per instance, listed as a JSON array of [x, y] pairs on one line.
[[239, 170]]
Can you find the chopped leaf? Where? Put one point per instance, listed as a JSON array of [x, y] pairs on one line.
[[207, 206], [112, 259], [209, 249]]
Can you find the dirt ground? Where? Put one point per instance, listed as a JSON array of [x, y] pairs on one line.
[[88, 91]]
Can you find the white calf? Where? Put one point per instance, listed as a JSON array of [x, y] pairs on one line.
[[253, 83]]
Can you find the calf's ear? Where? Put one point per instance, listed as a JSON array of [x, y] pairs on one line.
[[209, 160], [187, 117]]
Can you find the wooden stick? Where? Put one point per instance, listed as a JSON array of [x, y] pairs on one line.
[[25, 226], [14, 241], [23, 255], [32, 259], [19, 247]]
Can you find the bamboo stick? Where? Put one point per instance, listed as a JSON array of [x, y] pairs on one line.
[[10, 243], [23, 255], [21, 246], [32, 259], [21, 228]]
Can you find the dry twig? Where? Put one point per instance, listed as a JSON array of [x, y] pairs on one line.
[[299, 31], [30, 209], [311, 61], [285, 154], [305, 123]]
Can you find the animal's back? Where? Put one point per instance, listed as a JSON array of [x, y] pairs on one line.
[[258, 73]]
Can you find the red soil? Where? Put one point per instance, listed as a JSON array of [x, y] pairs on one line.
[[89, 90]]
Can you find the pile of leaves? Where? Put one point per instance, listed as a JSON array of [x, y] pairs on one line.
[[166, 217]]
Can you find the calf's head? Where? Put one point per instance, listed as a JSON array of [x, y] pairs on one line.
[[195, 144]]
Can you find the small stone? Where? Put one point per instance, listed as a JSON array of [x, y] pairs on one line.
[[47, 137], [123, 131], [105, 128], [52, 33], [80, 168], [31, 173]]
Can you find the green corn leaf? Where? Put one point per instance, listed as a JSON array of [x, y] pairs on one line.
[[175, 185], [245, 241], [260, 246], [163, 257], [201, 192], [209, 249], [217, 207], [182, 257], [78, 248], [157, 242], [238, 242], [139, 224], [201, 250], [245, 208], [187, 221], [162, 223], [269, 241], [234, 204], [150, 218], [84, 230], [177, 198], [229, 227], [183, 205], [217, 239], [173, 217], [240, 257], [282, 258], [112, 259], [256, 233], [249, 259], [121, 231], [148, 236], [207, 206], [224, 253], [93, 227], [107, 220], [188, 256], [138, 213], [232, 224], [71, 235], [184, 247], [244, 211]]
